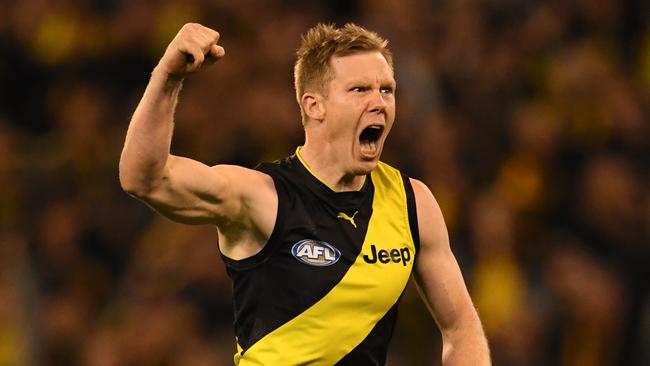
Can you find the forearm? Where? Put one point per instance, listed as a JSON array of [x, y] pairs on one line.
[[148, 139], [465, 345]]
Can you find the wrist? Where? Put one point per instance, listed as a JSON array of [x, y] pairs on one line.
[[169, 80]]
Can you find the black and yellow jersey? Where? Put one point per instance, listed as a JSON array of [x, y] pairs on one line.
[[324, 289]]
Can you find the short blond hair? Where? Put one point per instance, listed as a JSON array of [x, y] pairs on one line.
[[313, 71]]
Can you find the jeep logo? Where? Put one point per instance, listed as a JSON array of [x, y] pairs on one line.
[[384, 256], [315, 253]]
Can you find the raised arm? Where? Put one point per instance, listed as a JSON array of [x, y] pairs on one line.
[[442, 287], [234, 198]]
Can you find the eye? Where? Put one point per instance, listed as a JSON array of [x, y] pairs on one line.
[[358, 89], [386, 90]]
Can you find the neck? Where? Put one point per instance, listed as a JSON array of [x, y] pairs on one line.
[[323, 163]]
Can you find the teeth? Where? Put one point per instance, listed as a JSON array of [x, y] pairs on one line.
[[370, 144]]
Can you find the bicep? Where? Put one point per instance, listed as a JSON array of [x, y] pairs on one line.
[[194, 193], [437, 273], [188, 191]]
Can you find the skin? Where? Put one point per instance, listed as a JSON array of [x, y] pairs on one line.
[[242, 203], [360, 94]]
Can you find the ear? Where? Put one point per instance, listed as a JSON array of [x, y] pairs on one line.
[[312, 104]]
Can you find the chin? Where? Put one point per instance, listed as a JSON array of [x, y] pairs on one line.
[[365, 167]]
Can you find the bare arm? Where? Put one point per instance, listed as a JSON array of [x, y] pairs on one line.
[[442, 287], [180, 188]]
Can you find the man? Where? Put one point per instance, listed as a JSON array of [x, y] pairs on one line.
[[320, 245]]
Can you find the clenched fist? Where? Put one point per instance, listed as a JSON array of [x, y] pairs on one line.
[[193, 46]]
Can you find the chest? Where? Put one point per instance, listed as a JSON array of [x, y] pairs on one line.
[[351, 248]]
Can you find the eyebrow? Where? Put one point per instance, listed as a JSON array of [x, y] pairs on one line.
[[365, 81]]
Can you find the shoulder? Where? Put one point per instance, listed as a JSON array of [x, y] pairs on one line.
[[285, 169], [248, 216], [421, 191], [241, 178], [427, 206], [251, 193], [387, 175], [433, 230]]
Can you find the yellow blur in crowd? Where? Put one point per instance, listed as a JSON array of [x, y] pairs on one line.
[[529, 120]]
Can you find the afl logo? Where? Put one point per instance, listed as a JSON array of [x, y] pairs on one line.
[[315, 253]]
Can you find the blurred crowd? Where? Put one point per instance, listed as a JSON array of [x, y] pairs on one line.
[[529, 121]]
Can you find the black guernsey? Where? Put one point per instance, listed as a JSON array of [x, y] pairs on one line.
[[324, 289]]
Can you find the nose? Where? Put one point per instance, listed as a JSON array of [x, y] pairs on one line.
[[377, 102]]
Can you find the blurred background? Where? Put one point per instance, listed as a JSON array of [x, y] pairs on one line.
[[527, 119]]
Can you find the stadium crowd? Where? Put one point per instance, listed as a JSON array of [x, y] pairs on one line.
[[529, 120]]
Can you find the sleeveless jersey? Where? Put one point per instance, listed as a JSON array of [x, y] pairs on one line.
[[324, 289]]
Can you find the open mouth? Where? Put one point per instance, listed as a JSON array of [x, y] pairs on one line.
[[369, 138]]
